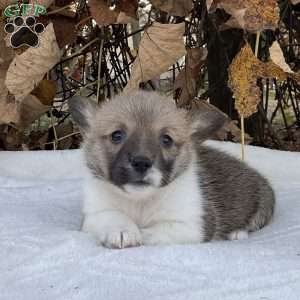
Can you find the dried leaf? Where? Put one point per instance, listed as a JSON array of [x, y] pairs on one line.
[[27, 69], [46, 3], [124, 12], [65, 30], [45, 91], [185, 86], [129, 7], [278, 58], [160, 47], [243, 80], [295, 2], [5, 3], [31, 108], [174, 7], [6, 53], [21, 114], [9, 112], [208, 4], [250, 15]]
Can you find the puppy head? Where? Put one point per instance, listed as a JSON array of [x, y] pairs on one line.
[[140, 142]]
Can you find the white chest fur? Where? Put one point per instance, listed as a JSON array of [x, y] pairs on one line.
[[172, 214]]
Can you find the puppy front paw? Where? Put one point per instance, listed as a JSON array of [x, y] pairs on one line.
[[119, 239]]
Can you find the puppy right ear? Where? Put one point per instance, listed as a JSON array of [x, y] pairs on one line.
[[82, 110]]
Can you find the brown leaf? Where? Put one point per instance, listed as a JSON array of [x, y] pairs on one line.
[[31, 109], [45, 91], [21, 114], [174, 7], [129, 7], [46, 3], [7, 109], [251, 15], [185, 86], [104, 16], [5, 3], [9, 112], [160, 47], [65, 30], [27, 69], [6, 53]]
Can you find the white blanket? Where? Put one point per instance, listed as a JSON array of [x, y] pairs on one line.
[[44, 256]]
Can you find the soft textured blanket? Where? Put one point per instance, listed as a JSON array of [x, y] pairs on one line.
[[44, 256]]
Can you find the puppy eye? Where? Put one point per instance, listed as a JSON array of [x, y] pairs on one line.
[[166, 140], [118, 136]]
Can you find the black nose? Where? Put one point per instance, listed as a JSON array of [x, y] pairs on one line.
[[141, 164]]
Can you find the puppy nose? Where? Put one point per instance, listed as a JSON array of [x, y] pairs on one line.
[[141, 164]]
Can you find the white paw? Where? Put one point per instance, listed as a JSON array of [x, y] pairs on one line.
[[238, 235], [119, 239]]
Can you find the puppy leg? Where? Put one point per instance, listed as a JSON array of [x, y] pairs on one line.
[[238, 235], [112, 229]]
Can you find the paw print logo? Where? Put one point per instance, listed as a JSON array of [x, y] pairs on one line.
[[24, 31]]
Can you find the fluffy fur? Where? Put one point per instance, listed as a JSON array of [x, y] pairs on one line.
[[152, 182]]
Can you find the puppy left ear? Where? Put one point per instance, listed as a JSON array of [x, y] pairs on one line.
[[82, 111], [205, 122]]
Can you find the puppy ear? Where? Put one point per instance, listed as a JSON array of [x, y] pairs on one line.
[[205, 122], [82, 110]]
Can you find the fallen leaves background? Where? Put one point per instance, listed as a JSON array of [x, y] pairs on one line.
[[71, 58]]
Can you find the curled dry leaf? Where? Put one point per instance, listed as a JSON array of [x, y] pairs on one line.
[[124, 12], [251, 15], [243, 80], [21, 114], [31, 109], [185, 86], [174, 7], [278, 58], [161, 46], [7, 107], [28, 69]]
